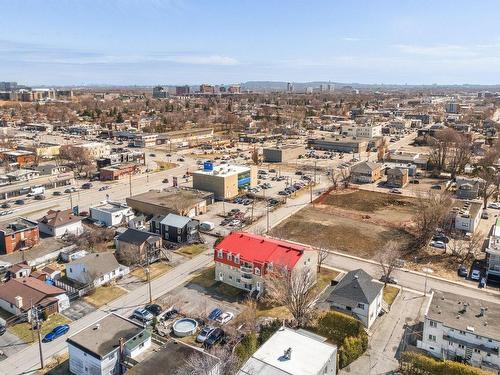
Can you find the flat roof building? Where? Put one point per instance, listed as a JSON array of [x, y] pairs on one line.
[[283, 153], [225, 181], [180, 201]]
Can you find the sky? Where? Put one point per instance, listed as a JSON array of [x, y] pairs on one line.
[[147, 42]]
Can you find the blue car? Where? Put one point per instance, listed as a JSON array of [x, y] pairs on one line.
[[56, 332], [214, 314]]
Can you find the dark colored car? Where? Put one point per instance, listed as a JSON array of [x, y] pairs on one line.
[[154, 309], [56, 193], [86, 185], [3, 329], [39, 197], [5, 205], [216, 336], [436, 187], [56, 332], [170, 314], [214, 314], [20, 201], [83, 213], [462, 271]]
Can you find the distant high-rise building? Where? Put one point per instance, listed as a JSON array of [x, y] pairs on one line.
[[289, 87], [452, 107], [206, 89], [8, 86], [160, 92], [330, 87], [182, 90]]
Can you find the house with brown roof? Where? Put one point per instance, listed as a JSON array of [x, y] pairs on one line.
[[18, 296], [60, 222], [366, 172]]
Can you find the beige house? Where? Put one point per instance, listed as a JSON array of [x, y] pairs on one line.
[[366, 172], [397, 177]]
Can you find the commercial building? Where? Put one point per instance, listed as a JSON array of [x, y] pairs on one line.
[[18, 158], [182, 90], [243, 259], [103, 347], [43, 149], [292, 352], [462, 329], [180, 201], [145, 140], [362, 130], [282, 154], [225, 181], [206, 89], [348, 145], [97, 150], [186, 137], [111, 213], [160, 92], [48, 182], [116, 172], [19, 234]]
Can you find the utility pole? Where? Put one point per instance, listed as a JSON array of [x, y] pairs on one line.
[[38, 326], [130, 182], [311, 191], [253, 202], [315, 162], [148, 273], [267, 219], [71, 200]]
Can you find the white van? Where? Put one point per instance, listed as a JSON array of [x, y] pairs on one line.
[[207, 226]]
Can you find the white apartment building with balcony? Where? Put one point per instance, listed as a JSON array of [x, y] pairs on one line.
[[462, 329], [361, 130]]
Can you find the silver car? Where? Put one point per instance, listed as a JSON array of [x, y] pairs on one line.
[[205, 332]]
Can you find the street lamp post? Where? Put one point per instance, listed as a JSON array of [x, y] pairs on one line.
[[427, 271]]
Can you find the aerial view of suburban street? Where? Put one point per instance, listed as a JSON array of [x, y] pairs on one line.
[[250, 187]]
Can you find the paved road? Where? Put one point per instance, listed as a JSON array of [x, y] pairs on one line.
[[27, 360]]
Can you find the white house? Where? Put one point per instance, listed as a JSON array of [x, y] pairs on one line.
[[292, 352], [493, 254], [99, 268], [57, 223], [467, 216], [462, 329], [111, 213], [359, 295], [96, 349]]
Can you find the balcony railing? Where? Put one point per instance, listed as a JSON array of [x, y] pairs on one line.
[[246, 277], [246, 269]]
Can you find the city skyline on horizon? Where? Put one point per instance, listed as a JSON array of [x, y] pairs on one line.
[[176, 42]]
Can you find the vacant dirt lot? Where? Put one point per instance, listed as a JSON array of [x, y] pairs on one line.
[[356, 222]]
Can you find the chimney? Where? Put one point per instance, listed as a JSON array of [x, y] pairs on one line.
[[288, 354], [19, 302]]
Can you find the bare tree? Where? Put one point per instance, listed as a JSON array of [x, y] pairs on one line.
[[334, 177], [323, 254], [432, 211], [488, 173], [294, 290], [345, 174], [388, 259], [466, 250], [203, 363]]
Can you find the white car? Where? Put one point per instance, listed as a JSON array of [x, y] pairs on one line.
[[225, 317], [495, 206], [475, 275], [438, 244]]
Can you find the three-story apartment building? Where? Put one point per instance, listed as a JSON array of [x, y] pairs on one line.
[[244, 259], [462, 329]]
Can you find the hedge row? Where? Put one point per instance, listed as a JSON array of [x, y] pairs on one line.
[[419, 364]]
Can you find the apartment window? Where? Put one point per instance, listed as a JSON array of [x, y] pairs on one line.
[[237, 259], [141, 345], [461, 346], [361, 306], [230, 277], [219, 253], [257, 271], [432, 338], [70, 269], [229, 256], [477, 351], [462, 332], [270, 266], [179, 230], [432, 323]]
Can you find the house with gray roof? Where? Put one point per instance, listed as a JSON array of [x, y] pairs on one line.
[[359, 295], [175, 228], [135, 246], [96, 268]]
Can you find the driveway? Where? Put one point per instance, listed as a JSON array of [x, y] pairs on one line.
[[10, 344], [78, 309], [386, 336]]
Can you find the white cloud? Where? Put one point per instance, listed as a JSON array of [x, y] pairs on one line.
[[443, 50], [350, 39]]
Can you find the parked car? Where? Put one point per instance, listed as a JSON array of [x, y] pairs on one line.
[[482, 282], [87, 185], [154, 309], [56, 332], [214, 314], [485, 215], [3, 329], [20, 201], [214, 337], [414, 181], [102, 188], [438, 244], [396, 191], [475, 275], [83, 213], [152, 155], [495, 206], [170, 314], [39, 197], [57, 193], [204, 333], [441, 238], [142, 315], [388, 279], [436, 187], [462, 271], [225, 317]]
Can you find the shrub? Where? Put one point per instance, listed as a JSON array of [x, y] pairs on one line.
[[247, 347], [268, 329], [416, 363]]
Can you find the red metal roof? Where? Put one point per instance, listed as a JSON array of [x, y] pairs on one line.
[[255, 248]]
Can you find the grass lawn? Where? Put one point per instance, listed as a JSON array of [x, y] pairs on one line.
[[206, 279], [59, 365], [368, 201], [324, 278], [390, 293], [24, 332], [104, 295], [192, 250], [157, 269]]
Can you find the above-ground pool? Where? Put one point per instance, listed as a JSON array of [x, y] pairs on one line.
[[185, 327]]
